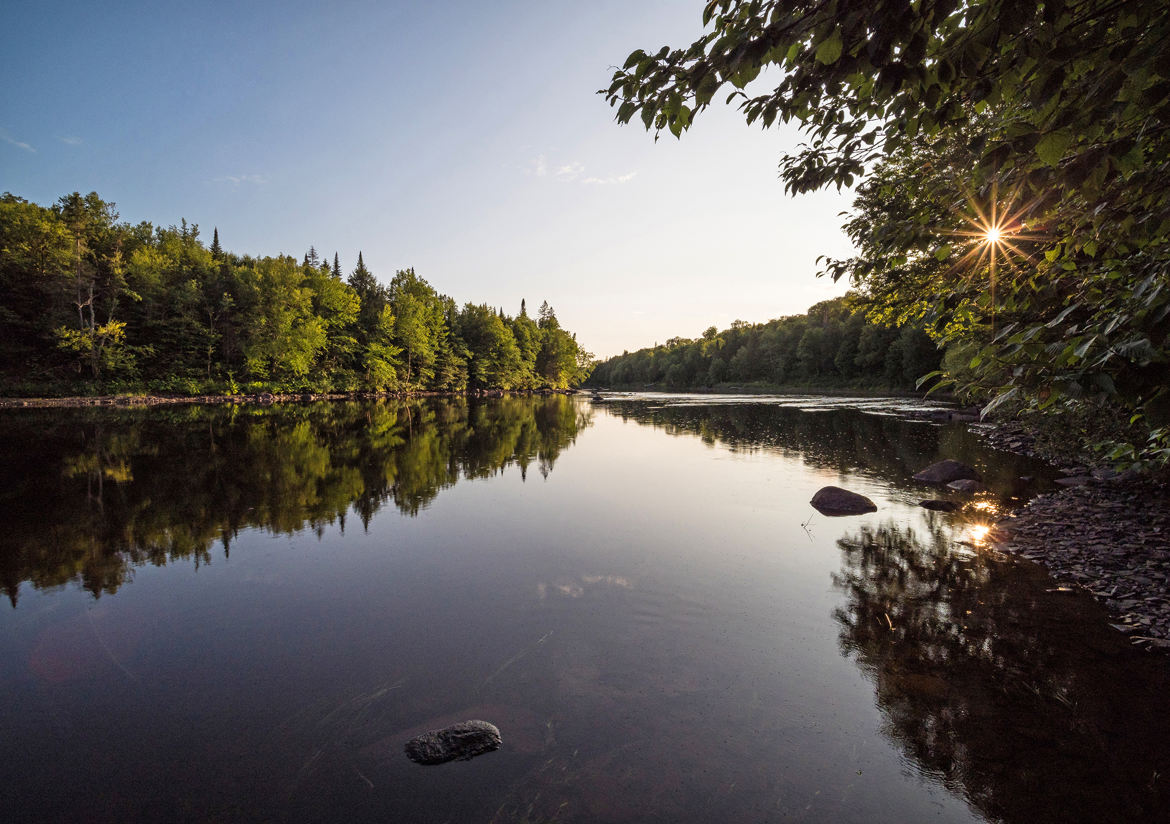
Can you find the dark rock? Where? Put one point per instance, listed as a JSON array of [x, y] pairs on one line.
[[458, 742], [832, 500], [1075, 480], [946, 471], [965, 485], [939, 506]]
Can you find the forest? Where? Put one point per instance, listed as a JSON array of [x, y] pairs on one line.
[[832, 346], [95, 305]]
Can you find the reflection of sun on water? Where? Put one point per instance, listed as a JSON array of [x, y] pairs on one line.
[[979, 533]]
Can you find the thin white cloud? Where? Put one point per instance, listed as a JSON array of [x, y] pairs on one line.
[[570, 171], [605, 181], [20, 144], [236, 180], [573, 171], [71, 141]]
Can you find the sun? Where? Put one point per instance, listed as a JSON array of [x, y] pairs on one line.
[[993, 235]]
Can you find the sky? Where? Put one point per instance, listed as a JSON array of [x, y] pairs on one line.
[[464, 139]]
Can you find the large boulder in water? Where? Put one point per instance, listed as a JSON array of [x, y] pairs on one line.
[[833, 500], [458, 742], [946, 471]]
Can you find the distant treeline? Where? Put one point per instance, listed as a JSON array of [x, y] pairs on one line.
[[94, 304], [833, 345]]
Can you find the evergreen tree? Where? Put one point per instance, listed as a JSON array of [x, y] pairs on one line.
[[216, 249]]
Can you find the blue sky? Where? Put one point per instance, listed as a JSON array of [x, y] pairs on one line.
[[463, 139]]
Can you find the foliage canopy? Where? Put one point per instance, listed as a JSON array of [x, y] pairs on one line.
[[94, 304], [1046, 121]]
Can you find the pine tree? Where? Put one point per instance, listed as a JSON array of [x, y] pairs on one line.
[[336, 267], [216, 249]]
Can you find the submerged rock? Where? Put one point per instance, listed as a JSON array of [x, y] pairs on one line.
[[966, 485], [833, 500], [458, 742], [939, 506], [946, 471]]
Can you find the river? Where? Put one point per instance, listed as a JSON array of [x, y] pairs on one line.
[[243, 613]]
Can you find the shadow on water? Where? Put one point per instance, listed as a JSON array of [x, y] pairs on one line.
[[90, 494], [1016, 693]]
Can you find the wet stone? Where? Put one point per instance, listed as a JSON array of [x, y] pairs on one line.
[[946, 471], [458, 742], [833, 500], [938, 505]]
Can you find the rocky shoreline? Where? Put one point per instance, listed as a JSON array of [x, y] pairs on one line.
[[1105, 532], [261, 398]]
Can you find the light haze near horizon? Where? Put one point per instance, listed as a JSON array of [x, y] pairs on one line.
[[463, 139]]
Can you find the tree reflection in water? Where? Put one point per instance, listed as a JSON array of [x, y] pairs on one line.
[[882, 446], [87, 495], [985, 682]]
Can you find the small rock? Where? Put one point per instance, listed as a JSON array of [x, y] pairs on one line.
[[946, 471], [1075, 480], [833, 500], [939, 506], [965, 485], [458, 742]]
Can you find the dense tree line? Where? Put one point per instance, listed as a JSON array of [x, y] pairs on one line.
[[1012, 160], [91, 303], [833, 345]]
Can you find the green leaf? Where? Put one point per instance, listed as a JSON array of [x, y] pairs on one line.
[[1052, 146], [1059, 319], [829, 50], [943, 252], [1084, 347], [936, 373], [999, 400]]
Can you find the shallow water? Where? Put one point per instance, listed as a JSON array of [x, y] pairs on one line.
[[243, 614]]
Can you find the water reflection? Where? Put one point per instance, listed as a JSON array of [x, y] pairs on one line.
[[841, 439], [992, 679], [107, 490]]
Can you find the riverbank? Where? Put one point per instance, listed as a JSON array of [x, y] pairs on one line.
[[261, 398], [1105, 532], [1109, 536]]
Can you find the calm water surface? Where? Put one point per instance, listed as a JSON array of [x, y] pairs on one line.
[[242, 614]]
